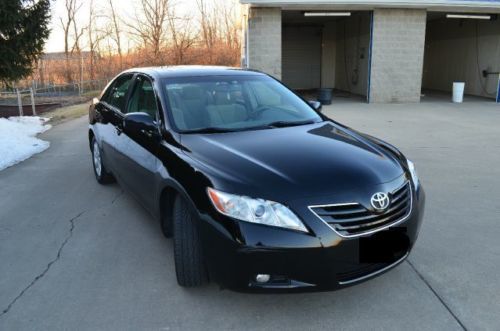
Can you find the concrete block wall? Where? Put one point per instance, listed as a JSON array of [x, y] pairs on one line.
[[264, 40], [397, 55]]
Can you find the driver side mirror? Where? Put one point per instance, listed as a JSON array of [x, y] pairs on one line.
[[316, 105], [140, 125]]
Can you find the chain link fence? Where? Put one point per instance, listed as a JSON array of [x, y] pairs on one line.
[[35, 101]]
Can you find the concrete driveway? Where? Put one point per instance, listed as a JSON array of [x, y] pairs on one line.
[[77, 255]]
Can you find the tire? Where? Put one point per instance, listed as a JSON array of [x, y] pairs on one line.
[[189, 266], [102, 175], [166, 227]]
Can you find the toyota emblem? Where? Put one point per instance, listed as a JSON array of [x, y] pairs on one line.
[[380, 201]]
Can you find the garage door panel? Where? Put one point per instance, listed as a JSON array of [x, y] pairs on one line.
[[302, 57]]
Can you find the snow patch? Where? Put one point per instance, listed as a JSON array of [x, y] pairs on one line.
[[18, 139]]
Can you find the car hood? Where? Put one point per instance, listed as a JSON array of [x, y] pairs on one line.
[[308, 160]]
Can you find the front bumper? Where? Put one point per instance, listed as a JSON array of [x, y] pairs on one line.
[[304, 262]]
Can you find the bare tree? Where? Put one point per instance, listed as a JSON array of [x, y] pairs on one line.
[[231, 23], [68, 24], [208, 26], [209, 34], [95, 36], [181, 34], [150, 26], [116, 32], [219, 27]]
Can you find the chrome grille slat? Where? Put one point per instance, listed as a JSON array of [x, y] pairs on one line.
[[368, 218], [385, 219], [398, 197], [353, 219], [325, 212]]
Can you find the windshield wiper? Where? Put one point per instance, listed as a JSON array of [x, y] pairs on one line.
[[210, 129], [276, 124], [282, 124]]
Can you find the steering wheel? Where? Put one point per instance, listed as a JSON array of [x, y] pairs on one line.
[[258, 112]]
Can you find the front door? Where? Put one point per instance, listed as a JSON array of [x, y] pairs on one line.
[[136, 159], [110, 111]]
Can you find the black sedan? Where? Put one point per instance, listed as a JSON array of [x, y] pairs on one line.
[[259, 189]]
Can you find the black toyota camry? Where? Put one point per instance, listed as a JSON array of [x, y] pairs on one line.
[[259, 190]]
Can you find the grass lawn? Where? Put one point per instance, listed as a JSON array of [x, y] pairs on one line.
[[67, 113]]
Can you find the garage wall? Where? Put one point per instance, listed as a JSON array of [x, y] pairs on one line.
[[397, 55], [451, 55], [353, 40], [264, 40]]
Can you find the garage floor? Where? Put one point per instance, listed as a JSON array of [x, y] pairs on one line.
[[441, 96], [457, 152], [77, 255]]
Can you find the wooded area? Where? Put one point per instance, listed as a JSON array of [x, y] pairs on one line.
[[159, 32]]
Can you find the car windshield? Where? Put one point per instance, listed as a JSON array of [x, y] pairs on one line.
[[234, 103]]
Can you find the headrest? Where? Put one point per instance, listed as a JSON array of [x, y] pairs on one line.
[[222, 96], [235, 88], [193, 92], [222, 88]]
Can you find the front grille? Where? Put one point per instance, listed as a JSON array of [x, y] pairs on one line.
[[353, 219]]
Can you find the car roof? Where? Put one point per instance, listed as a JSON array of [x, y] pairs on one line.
[[193, 71]]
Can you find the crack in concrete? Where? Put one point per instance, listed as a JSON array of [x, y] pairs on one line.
[[437, 295], [117, 196], [58, 256], [47, 268]]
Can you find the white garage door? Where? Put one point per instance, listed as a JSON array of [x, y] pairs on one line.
[[301, 57]]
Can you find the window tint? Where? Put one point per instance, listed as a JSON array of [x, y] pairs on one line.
[[118, 92], [143, 98]]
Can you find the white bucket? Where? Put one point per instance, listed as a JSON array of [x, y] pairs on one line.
[[458, 92]]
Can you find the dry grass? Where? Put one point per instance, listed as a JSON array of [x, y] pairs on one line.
[[67, 113]]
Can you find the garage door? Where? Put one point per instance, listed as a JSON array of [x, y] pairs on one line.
[[301, 58]]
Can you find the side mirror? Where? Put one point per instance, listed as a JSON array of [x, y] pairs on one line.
[[140, 124], [316, 105]]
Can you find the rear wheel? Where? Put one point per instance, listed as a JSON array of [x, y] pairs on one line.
[[101, 173], [189, 266]]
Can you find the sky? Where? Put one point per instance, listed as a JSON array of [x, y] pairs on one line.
[[126, 8], [55, 43]]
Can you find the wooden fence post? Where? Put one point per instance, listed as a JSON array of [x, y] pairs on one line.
[[32, 94], [19, 102]]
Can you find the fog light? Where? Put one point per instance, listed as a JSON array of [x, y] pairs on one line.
[[262, 278]]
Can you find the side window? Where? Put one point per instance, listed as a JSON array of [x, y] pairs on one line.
[[143, 98], [117, 93]]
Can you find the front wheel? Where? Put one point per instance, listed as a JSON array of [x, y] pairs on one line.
[[189, 266], [101, 173]]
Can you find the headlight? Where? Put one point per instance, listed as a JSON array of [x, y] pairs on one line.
[[255, 210], [413, 172]]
